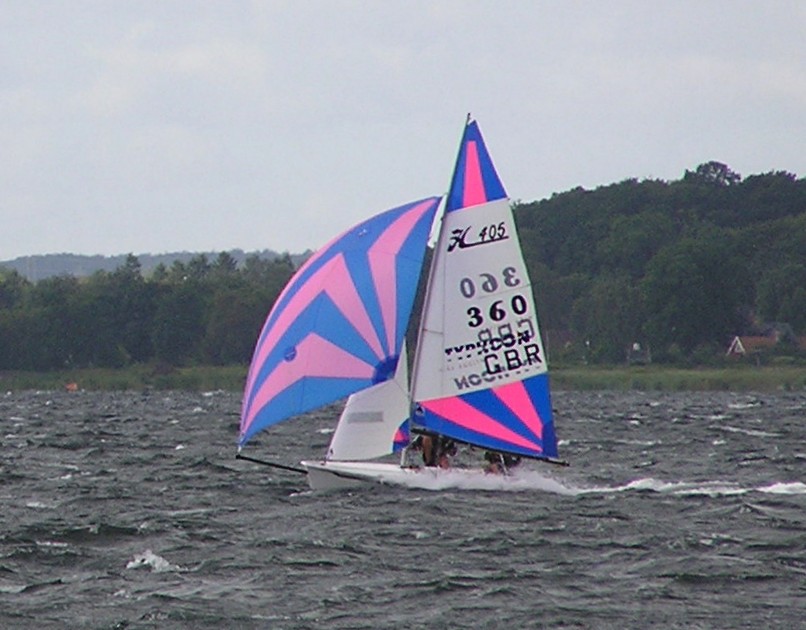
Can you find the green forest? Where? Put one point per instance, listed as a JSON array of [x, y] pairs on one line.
[[200, 312], [678, 267]]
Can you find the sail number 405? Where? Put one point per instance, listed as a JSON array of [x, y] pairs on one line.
[[488, 283], [497, 311]]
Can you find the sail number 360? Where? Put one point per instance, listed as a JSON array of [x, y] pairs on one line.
[[497, 311], [489, 283]]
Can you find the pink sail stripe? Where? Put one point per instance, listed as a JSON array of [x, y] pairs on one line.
[[384, 275], [474, 193], [316, 256], [255, 366], [296, 305], [340, 287], [334, 279], [516, 398], [301, 270], [384, 278], [468, 417], [317, 358]]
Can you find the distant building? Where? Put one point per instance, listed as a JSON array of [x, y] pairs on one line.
[[772, 334], [745, 345]]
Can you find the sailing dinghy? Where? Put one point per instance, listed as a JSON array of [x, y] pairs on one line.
[[479, 375]]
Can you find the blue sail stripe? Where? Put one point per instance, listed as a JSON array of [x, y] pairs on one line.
[[320, 314], [338, 331], [358, 267], [312, 391], [358, 240], [486, 402], [493, 188]]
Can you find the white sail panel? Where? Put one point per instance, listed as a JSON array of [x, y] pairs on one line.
[[371, 418], [483, 331]]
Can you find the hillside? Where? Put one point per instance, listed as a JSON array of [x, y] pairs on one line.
[[677, 266], [36, 268]]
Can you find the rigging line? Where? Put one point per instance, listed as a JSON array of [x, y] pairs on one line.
[[263, 462]]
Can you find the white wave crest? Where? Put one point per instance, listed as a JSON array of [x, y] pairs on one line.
[[696, 488], [157, 563], [750, 432], [793, 487], [464, 479]]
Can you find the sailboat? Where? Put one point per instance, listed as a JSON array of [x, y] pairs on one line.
[[479, 376]]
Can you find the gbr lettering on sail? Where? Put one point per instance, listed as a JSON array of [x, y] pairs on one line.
[[490, 330]]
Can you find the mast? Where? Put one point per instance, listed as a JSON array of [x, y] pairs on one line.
[[429, 284]]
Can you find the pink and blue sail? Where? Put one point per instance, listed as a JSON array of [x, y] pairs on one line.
[[475, 180], [339, 325], [402, 437], [515, 417]]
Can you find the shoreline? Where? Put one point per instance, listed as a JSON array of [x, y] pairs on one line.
[[739, 378]]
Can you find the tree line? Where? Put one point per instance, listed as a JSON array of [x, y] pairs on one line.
[[199, 312], [678, 267]]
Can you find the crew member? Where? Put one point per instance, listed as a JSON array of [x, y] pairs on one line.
[[500, 463]]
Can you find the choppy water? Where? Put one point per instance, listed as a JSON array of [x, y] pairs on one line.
[[129, 511]]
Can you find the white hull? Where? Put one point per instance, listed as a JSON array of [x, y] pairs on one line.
[[329, 475], [333, 475]]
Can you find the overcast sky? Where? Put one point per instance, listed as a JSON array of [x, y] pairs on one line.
[[160, 126]]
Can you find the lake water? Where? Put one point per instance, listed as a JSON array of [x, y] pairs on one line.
[[128, 510]]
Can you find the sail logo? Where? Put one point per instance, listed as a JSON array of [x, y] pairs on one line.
[[487, 234]]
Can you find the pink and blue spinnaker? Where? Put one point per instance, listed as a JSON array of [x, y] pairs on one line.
[[339, 324]]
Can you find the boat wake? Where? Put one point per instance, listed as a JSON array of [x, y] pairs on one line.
[[697, 488], [460, 479], [340, 475], [525, 481]]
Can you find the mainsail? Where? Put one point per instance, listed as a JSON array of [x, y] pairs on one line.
[[339, 325], [480, 374]]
